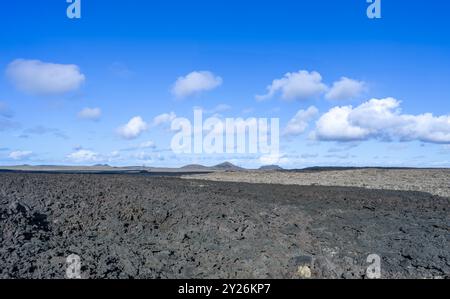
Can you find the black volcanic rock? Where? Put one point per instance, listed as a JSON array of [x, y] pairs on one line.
[[128, 226]]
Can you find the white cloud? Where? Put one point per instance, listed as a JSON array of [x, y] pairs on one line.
[[164, 118], [42, 78], [135, 127], [302, 85], [273, 159], [83, 156], [114, 154], [20, 155], [335, 126], [90, 114], [346, 89], [299, 123], [196, 82], [381, 119]]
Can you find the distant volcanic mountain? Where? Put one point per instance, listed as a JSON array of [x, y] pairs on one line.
[[101, 165], [194, 167], [227, 166], [271, 167]]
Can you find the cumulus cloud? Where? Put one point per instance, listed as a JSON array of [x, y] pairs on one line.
[[20, 155], [164, 118], [381, 119], [346, 89], [90, 114], [43, 78], [83, 156], [300, 122], [133, 129], [336, 126], [195, 82], [302, 85]]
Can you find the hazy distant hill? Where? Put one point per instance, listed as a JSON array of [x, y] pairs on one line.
[[194, 167], [271, 167], [227, 166]]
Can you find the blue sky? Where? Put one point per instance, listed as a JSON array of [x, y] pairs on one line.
[[122, 59]]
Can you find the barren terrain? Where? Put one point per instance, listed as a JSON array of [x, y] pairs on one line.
[[434, 181], [141, 226]]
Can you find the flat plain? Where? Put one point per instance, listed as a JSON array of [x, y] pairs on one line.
[[434, 181]]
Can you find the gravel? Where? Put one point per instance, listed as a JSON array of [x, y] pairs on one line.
[[434, 181]]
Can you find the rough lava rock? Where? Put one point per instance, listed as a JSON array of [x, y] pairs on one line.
[[137, 226]]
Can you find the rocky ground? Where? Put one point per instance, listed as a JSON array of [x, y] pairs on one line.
[[135, 226], [434, 181]]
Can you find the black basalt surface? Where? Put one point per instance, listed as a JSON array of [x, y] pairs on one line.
[[125, 226]]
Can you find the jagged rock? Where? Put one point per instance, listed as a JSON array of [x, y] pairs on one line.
[[150, 227]]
